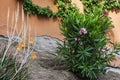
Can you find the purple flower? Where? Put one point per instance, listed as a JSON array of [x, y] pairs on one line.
[[76, 39], [103, 50], [82, 31]]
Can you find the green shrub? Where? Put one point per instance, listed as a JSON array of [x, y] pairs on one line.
[[84, 47]]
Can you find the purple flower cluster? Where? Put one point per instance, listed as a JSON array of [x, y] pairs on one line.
[[102, 49], [82, 31]]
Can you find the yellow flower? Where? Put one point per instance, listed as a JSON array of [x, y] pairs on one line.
[[21, 45], [33, 55], [19, 48], [31, 41]]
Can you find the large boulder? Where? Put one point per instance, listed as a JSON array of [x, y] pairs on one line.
[[47, 66]]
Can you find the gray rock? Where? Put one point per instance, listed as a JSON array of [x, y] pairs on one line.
[[46, 43], [4, 44], [111, 74], [2, 37], [47, 66]]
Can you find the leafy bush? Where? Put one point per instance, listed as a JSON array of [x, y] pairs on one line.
[[84, 47]]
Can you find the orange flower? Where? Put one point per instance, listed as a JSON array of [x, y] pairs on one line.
[[22, 44], [18, 48], [31, 41], [33, 55]]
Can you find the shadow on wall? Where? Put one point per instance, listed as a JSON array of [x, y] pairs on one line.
[[115, 10], [111, 35]]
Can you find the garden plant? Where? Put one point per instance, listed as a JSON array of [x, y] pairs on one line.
[[16, 52], [85, 44]]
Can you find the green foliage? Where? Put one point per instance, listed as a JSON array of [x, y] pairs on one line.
[[111, 4], [116, 48], [90, 4], [65, 1], [64, 7], [35, 9], [86, 54], [8, 69], [104, 4]]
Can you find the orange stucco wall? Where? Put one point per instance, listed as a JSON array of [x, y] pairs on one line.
[[116, 22], [47, 26], [40, 26]]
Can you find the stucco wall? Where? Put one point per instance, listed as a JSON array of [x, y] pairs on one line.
[[48, 26], [116, 22], [40, 26]]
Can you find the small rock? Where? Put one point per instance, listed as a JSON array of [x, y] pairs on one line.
[[111, 74]]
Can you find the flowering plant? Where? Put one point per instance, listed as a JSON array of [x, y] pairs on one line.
[[17, 50], [84, 47]]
